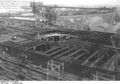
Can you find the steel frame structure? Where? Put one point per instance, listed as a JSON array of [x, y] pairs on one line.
[[54, 67], [102, 76], [70, 10]]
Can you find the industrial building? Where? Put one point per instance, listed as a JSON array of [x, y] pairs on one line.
[[80, 45], [64, 53]]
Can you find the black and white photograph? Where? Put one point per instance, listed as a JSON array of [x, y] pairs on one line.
[[59, 40]]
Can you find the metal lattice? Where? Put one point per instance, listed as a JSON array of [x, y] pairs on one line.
[[102, 76], [54, 69]]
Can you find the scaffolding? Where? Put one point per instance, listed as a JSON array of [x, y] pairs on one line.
[[117, 56], [54, 69], [22, 60], [102, 76]]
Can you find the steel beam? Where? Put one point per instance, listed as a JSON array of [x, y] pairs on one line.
[[62, 54], [52, 49], [96, 61], [77, 51], [77, 57], [95, 53], [62, 49]]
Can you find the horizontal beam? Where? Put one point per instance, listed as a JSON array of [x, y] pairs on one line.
[[52, 49], [62, 49], [77, 51], [71, 7], [62, 54], [95, 53]]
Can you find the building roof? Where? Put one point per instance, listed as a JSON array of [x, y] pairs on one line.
[[24, 18], [8, 37], [10, 44]]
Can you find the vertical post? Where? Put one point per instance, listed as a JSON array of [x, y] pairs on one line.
[[62, 68], [117, 53], [34, 48], [56, 68], [48, 70], [58, 72]]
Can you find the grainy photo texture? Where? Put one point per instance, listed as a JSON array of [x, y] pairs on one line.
[[59, 40]]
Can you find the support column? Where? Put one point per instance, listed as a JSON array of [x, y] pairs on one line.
[[55, 69]]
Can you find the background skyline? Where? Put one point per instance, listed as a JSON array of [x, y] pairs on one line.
[[14, 5], [86, 3]]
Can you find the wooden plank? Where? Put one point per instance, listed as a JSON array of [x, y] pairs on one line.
[[93, 63], [62, 54], [77, 57], [110, 62], [79, 50], [95, 53], [62, 49], [50, 50]]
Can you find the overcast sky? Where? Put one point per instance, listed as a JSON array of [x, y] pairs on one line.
[[85, 3]]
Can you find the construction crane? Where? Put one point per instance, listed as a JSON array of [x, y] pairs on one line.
[[51, 13]]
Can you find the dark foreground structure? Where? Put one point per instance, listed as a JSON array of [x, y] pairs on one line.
[[61, 55]]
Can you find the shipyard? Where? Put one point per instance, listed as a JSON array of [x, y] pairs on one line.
[[66, 43]]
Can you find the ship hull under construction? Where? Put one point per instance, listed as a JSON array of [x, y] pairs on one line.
[[82, 53]]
